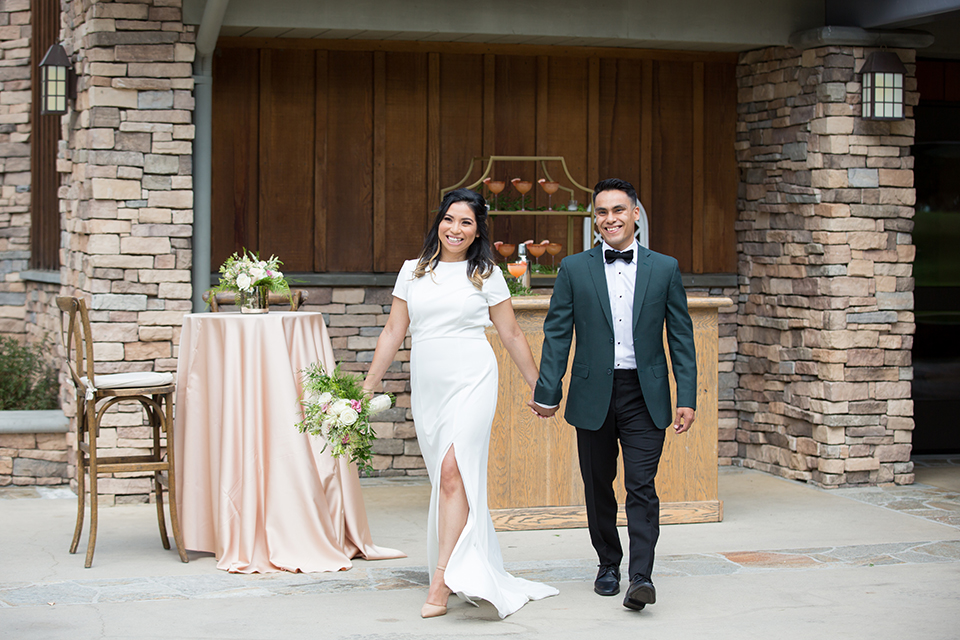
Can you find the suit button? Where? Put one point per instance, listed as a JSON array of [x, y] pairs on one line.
[[611, 340], [609, 372]]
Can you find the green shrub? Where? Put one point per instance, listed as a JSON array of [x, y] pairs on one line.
[[27, 380]]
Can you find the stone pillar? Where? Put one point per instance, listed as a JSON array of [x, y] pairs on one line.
[[14, 161], [128, 201], [826, 304]]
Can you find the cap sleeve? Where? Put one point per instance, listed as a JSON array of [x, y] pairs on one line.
[[404, 278], [495, 288]]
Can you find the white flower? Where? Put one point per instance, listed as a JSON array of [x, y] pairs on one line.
[[325, 397], [348, 416], [257, 274], [379, 403], [244, 282], [340, 406]]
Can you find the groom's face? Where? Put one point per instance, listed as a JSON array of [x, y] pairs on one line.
[[617, 218]]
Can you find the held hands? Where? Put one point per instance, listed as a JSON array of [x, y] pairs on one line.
[[684, 419], [539, 411]]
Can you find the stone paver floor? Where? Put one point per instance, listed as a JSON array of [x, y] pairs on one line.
[[920, 500]]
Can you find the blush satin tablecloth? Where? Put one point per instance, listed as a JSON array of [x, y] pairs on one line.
[[252, 489]]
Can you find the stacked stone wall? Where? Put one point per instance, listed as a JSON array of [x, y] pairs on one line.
[[127, 199], [14, 161], [727, 417], [25, 458], [826, 304]]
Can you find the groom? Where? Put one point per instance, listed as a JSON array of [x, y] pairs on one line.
[[616, 298]]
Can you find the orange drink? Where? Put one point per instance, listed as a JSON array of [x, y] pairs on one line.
[[517, 269]]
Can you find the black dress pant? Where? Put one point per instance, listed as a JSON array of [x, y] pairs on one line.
[[628, 426]]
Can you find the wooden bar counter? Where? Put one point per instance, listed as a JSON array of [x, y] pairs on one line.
[[533, 479]]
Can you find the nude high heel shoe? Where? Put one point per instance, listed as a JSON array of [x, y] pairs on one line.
[[431, 610]]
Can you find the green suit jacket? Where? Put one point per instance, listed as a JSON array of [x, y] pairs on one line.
[[581, 304]]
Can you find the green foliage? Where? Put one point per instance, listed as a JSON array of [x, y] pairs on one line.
[[336, 409], [27, 380], [543, 269]]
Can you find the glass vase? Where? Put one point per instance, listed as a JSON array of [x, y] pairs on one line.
[[256, 301]]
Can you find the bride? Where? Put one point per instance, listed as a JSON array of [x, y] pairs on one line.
[[447, 297]]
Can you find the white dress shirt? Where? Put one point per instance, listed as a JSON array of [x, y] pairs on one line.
[[621, 281]]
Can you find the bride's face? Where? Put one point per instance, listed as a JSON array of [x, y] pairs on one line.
[[457, 231]]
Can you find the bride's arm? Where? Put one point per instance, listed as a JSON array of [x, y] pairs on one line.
[[388, 344], [515, 342]]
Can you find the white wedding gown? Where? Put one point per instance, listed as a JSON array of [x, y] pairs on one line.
[[453, 376]]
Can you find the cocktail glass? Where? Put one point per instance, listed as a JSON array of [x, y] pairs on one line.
[[495, 186], [553, 249], [517, 269], [523, 186], [506, 250], [536, 250], [551, 188]]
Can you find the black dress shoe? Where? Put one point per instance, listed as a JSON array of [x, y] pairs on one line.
[[608, 580], [640, 593]]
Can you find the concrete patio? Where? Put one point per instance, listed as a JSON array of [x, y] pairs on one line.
[[788, 561]]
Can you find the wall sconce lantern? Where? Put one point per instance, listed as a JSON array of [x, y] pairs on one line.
[[882, 86], [56, 81]]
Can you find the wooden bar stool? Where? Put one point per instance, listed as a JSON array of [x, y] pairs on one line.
[[153, 390]]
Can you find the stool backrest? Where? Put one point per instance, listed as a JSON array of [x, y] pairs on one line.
[[76, 337]]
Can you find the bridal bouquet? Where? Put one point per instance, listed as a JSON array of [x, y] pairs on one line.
[[336, 409]]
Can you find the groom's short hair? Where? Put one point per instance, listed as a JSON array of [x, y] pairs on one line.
[[616, 184]]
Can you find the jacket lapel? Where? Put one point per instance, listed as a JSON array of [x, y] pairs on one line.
[[640, 288], [600, 282]]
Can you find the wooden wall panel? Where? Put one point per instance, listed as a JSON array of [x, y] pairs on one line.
[[235, 170], [320, 187], [333, 157], [461, 120], [44, 140], [515, 135], [565, 134], [721, 176], [405, 156], [620, 105], [287, 111], [671, 215], [350, 161]]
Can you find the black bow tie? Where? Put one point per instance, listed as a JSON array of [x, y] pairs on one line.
[[612, 255]]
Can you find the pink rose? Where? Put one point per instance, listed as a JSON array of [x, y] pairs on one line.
[[357, 405]]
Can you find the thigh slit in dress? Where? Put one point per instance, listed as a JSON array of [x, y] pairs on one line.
[[454, 380]]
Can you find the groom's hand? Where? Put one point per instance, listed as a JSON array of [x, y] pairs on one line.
[[540, 411], [684, 419]]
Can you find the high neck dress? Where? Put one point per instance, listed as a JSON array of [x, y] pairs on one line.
[[453, 378]]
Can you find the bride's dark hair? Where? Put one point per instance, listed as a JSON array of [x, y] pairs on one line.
[[480, 262]]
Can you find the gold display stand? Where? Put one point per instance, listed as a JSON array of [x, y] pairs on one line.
[[533, 477], [488, 163]]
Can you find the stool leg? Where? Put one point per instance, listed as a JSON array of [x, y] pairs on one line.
[[94, 499], [156, 420], [172, 480], [81, 494]]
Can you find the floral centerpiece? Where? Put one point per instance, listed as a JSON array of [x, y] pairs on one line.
[[253, 279], [336, 409]]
